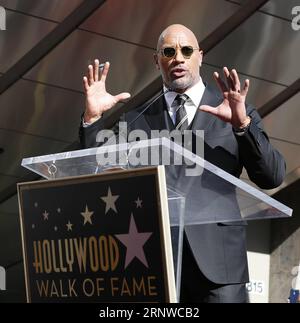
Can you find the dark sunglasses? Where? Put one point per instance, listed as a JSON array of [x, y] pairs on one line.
[[170, 52]]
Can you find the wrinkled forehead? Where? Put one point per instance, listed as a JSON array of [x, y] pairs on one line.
[[177, 38]]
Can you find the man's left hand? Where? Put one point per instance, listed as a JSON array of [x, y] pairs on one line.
[[233, 108]]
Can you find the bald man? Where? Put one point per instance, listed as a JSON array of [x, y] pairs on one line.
[[214, 259]]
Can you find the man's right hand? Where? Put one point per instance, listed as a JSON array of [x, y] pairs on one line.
[[97, 99]]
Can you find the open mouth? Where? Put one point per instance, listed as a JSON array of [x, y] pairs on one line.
[[178, 72]]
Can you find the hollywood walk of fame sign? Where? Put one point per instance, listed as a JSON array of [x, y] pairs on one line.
[[101, 238]]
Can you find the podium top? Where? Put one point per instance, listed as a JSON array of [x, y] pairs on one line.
[[212, 195]]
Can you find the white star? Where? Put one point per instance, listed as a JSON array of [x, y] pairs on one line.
[[45, 215], [69, 226], [138, 203], [36, 204], [33, 226], [87, 215], [59, 210], [110, 201], [55, 228]]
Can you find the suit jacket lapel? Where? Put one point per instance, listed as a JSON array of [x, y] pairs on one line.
[[204, 120], [158, 116]]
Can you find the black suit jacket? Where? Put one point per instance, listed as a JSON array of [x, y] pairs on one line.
[[219, 249]]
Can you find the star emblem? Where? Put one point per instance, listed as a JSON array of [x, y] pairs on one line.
[[69, 226], [45, 215], [138, 203], [110, 201], [87, 215], [134, 242]]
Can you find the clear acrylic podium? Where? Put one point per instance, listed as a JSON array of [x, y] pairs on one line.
[[198, 192]]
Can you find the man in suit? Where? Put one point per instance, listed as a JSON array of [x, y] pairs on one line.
[[214, 259]]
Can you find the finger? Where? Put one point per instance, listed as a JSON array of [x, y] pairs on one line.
[[236, 80], [122, 96], [85, 84], [91, 75], [211, 110], [246, 87], [105, 71], [220, 83], [228, 78], [96, 70]]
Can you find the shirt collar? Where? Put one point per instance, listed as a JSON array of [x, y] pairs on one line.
[[195, 94]]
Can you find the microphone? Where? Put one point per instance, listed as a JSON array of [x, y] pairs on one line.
[[149, 105], [120, 133]]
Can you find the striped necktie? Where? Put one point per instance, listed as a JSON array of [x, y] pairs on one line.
[[181, 122]]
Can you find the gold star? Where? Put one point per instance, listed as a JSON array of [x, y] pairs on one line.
[[110, 201], [69, 226], [45, 215], [87, 215]]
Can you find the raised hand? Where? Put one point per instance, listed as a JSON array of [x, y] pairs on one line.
[[98, 100], [233, 108]]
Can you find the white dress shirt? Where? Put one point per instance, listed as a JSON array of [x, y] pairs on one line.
[[195, 95]]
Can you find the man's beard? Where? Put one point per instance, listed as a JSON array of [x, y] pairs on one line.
[[181, 83]]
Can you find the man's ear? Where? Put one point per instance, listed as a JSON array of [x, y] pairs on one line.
[[156, 61]]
